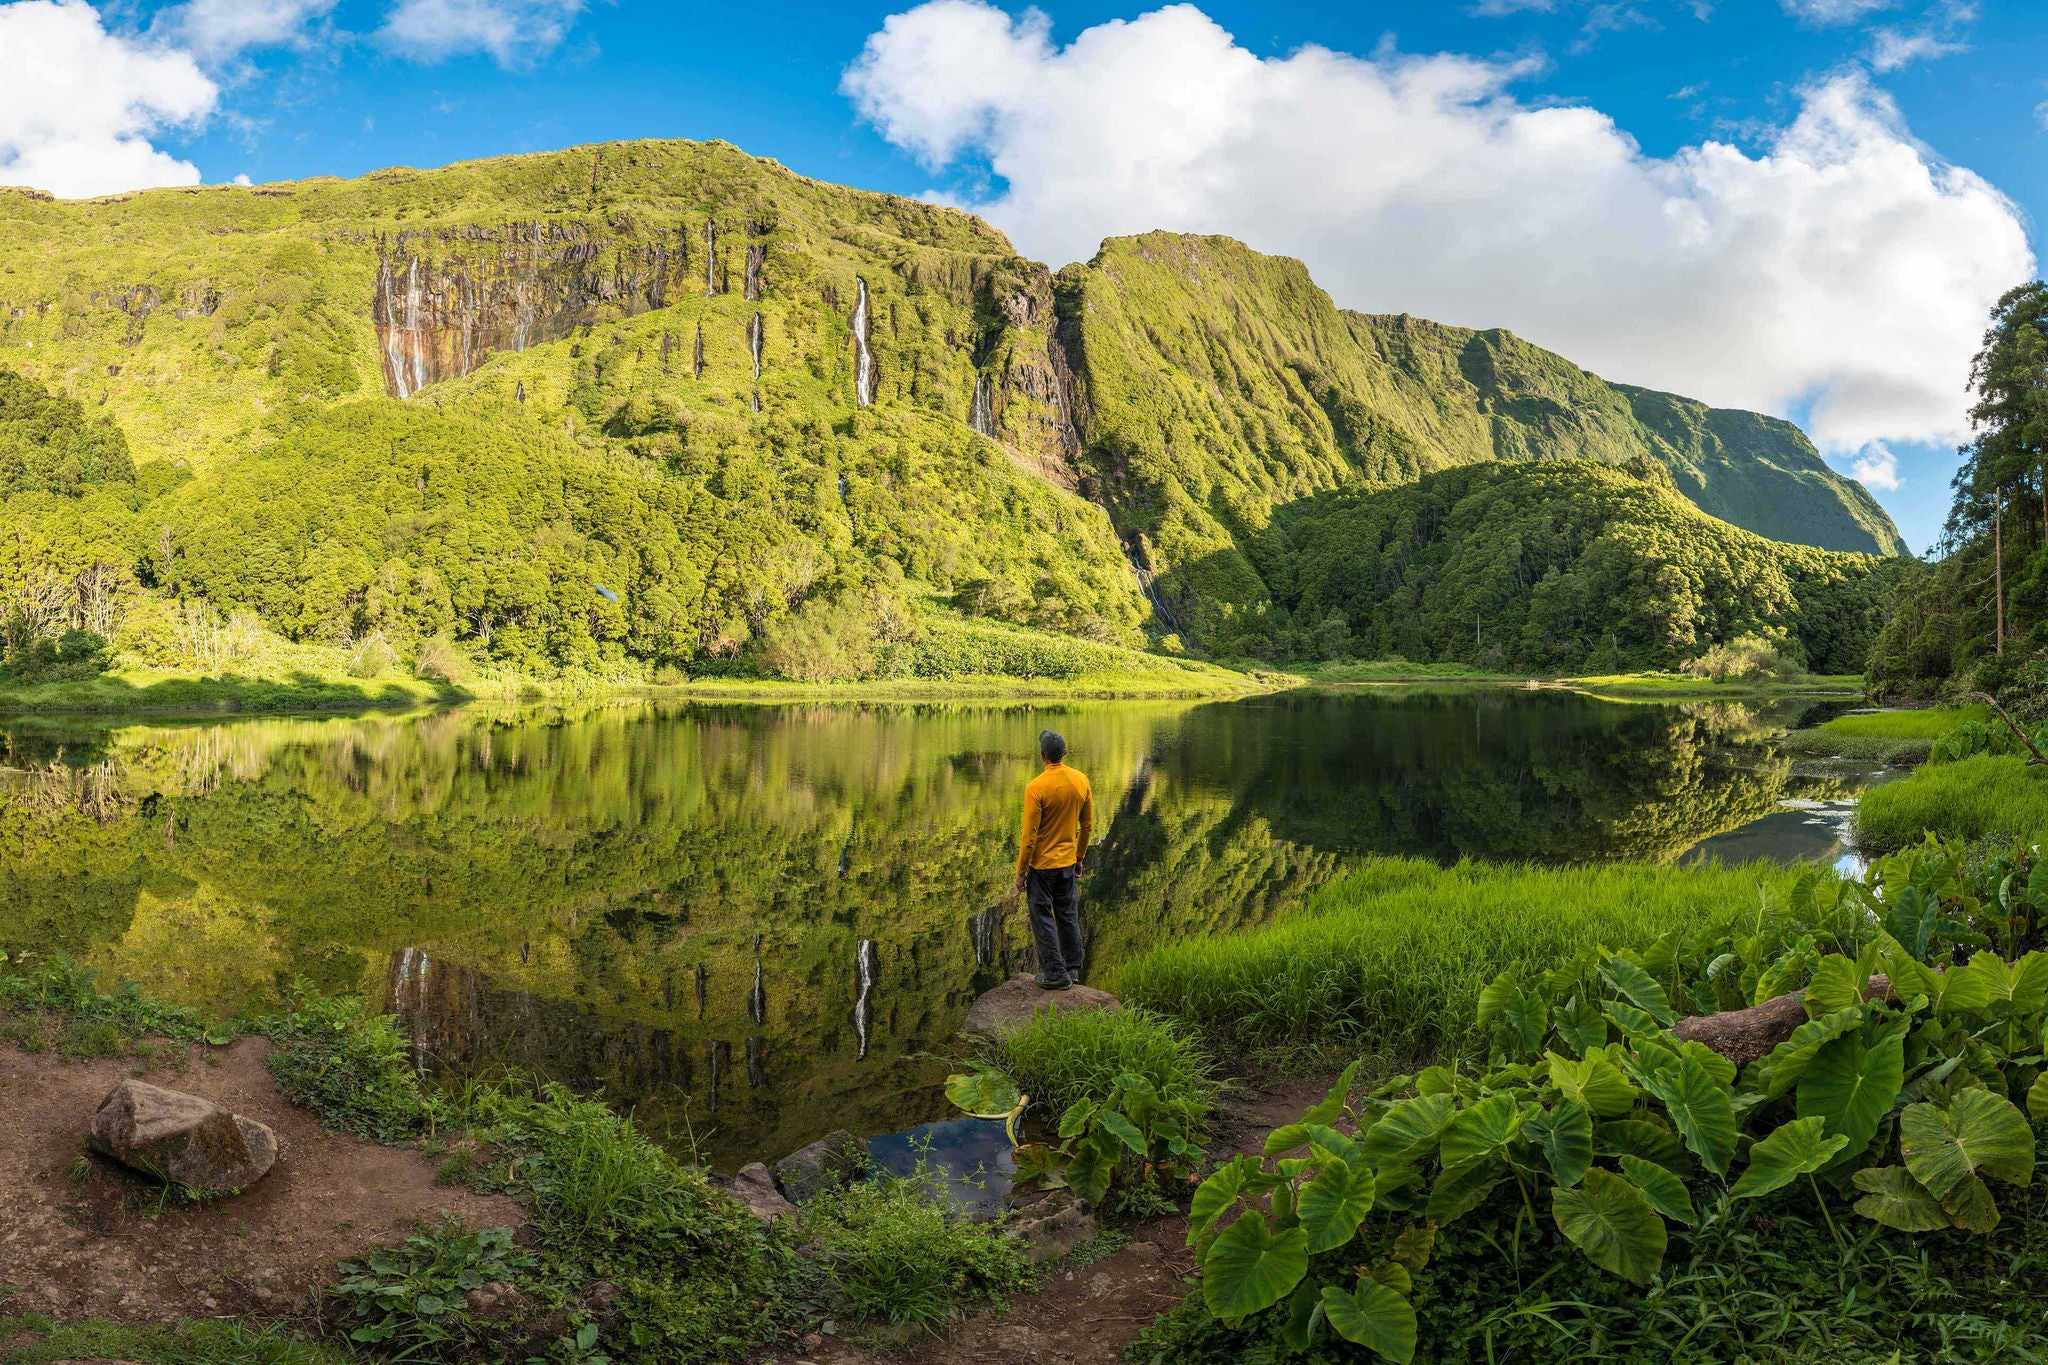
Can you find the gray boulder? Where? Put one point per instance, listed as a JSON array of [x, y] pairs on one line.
[[1018, 1000], [755, 1186], [1053, 1226], [183, 1138], [833, 1162]]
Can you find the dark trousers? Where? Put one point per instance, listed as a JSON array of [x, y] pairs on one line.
[[1054, 896]]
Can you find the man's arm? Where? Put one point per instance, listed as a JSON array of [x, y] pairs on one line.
[[1085, 828], [1027, 846]]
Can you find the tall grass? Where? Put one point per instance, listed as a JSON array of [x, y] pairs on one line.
[[1931, 723], [1390, 958], [1066, 1055], [1990, 795]]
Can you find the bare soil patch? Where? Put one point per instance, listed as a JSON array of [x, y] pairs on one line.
[[82, 1240]]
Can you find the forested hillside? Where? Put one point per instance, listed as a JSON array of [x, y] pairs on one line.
[[654, 408]]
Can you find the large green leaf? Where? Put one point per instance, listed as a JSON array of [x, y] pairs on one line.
[[1409, 1127], [1701, 1108], [1851, 1088], [1251, 1267], [1089, 1172], [1494, 995], [1213, 1196], [1793, 1149], [1788, 1061], [1125, 1131], [1609, 1220], [1580, 1024], [1641, 1137], [1639, 988], [1946, 1150], [1334, 1203], [1374, 1316], [1331, 1107], [2037, 1097], [1461, 1189], [1481, 1131], [1566, 1136], [1530, 1019], [1660, 1189], [2021, 987], [984, 1094], [1593, 1082], [1837, 984], [1892, 1196]]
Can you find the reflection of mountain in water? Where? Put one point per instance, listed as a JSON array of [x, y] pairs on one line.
[[758, 924]]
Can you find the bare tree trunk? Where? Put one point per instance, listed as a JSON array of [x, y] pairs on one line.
[[1998, 560]]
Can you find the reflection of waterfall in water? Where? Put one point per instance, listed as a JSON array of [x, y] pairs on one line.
[[863, 358], [409, 997], [865, 968], [721, 1065], [757, 1062], [757, 999], [701, 975], [991, 946]]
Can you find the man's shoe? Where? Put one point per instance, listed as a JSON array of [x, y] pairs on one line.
[[1052, 983]]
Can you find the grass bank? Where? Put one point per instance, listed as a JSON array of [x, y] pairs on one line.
[[1390, 958], [1986, 796], [1902, 738], [1683, 686]]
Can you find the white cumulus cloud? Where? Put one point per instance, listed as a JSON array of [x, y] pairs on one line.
[[1843, 269], [1876, 466], [79, 105], [513, 32], [218, 30]]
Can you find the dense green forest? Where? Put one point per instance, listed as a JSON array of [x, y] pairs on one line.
[[655, 410]]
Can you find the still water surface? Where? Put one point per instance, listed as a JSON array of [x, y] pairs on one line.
[[757, 924]]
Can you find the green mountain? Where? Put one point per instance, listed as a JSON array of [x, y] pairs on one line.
[[664, 405]]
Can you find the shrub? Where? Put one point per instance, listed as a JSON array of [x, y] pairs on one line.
[[1744, 658], [352, 1068], [409, 1300], [1062, 1056], [70, 656], [892, 1252], [438, 660]]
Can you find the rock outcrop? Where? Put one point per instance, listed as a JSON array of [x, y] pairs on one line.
[[1017, 1001], [755, 1187], [833, 1162], [1052, 1226], [182, 1138]]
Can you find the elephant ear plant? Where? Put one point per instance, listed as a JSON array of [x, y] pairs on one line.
[[1131, 1136], [1596, 1122]]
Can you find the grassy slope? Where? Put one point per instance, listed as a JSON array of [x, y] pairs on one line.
[[1223, 383]]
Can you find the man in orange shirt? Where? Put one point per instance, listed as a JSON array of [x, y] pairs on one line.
[[1059, 817]]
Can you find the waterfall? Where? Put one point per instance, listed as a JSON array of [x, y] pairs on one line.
[[405, 335], [985, 928], [701, 974], [710, 257], [982, 415], [721, 1064], [865, 968], [1148, 583], [863, 358], [754, 333]]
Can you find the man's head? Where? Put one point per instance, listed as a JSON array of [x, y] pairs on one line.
[[1051, 747]]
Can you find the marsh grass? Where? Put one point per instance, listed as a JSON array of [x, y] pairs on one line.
[[1900, 738], [1987, 796], [1390, 958], [204, 1341], [1066, 1055]]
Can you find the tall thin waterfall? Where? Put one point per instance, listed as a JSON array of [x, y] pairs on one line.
[[982, 416], [405, 330], [754, 336], [866, 966], [863, 358]]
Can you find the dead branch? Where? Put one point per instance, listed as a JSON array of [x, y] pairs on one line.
[[2039, 759]]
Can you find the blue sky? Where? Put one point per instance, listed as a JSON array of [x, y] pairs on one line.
[[1529, 163]]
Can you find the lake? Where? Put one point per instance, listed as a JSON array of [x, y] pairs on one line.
[[754, 924]]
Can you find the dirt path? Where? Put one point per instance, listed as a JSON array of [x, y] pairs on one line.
[[78, 1240], [1088, 1315]]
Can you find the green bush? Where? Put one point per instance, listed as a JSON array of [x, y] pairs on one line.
[[890, 1251], [352, 1068], [409, 1300], [1062, 1057]]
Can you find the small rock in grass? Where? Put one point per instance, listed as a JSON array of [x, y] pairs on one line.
[[1017, 1001], [755, 1186], [183, 1138], [1053, 1226], [833, 1162]]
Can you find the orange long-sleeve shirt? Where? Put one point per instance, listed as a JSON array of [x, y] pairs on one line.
[[1059, 818]]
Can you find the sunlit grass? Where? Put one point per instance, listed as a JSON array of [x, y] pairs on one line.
[[1990, 795], [1390, 958], [1064, 1055]]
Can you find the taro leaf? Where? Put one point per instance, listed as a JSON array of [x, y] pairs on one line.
[[1892, 1196], [1327, 1144], [1413, 1246], [1701, 1108], [1394, 1276], [1410, 1127], [1493, 997], [1788, 1061], [1632, 1021], [1963, 992], [1660, 957], [983, 1094], [1593, 1082], [1911, 918], [1837, 985], [1566, 1136], [1529, 1018], [1660, 1189], [1909, 977], [1793, 1149], [1124, 1131], [1609, 1220], [1945, 1151], [1286, 1138], [1581, 1025], [1717, 1066], [1641, 1138], [1852, 1088], [1251, 1267], [1079, 1115], [1304, 1314], [1461, 1189], [1135, 1084], [2023, 986], [1334, 1204], [1639, 988], [1332, 1107], [2037, 1096], [1375, 1317], [1035, 1162], [1089, 1173], [1481, 1131]]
